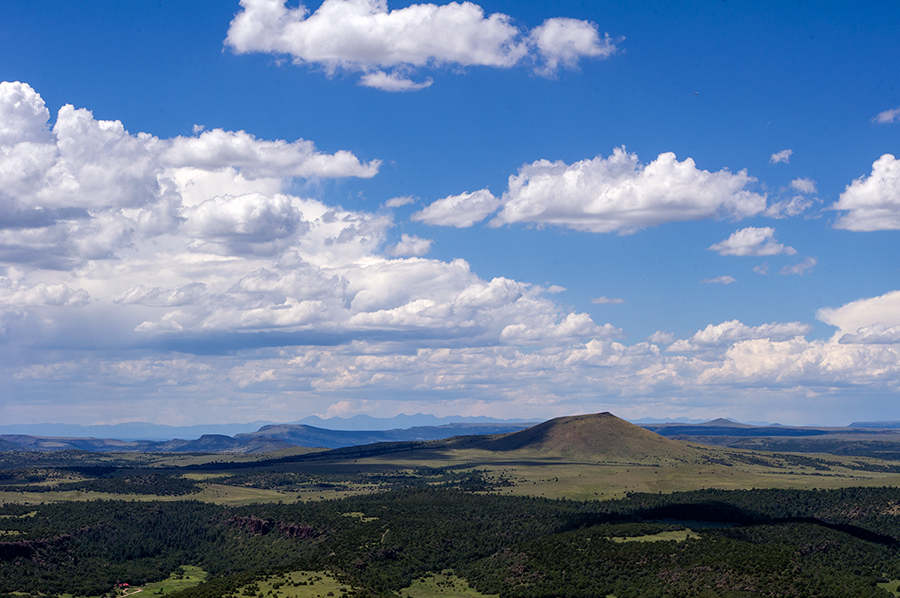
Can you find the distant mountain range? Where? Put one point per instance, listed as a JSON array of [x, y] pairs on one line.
[[158, 432], [343, 433], [268, 438]]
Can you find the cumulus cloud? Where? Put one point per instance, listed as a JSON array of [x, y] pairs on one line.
[[386, 46], [864, 314], [561, 41], [752, 241], [888, 116], [17, 294], [164, 297], [619, 194], [573, 326], [783, 157], [228, 252], [874, 334], [245, 223], [410, 245], [728, 333], [872, 203], [259, 158], [85, 189], [219, 283], [726, 280], [461, 211], [812, 365]]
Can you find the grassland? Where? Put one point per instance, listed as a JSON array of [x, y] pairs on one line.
[[591, 457], [527, 473], [892, 587], [297, 584], [442, 585], [188, 577]]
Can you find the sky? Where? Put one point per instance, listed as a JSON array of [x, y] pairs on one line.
[[226, 211]]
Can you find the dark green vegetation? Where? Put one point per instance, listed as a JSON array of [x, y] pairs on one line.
[[461, 515], [746, 543]]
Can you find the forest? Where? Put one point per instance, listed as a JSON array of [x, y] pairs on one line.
[[742, 543]]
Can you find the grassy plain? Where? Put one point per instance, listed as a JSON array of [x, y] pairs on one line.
[[297, 584], [188, 577], [582, 480], [550, 478], [442, 585], [527, 471]]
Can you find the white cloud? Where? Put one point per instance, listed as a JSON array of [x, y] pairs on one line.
[[217, 286], [392, 82], [801, 267], [661, 337], [164, 297], [17, 295], [573, 326], [873, 202], [784, 156], [752, 241], [397, 202], [788, 208], [561, 41], [863, 314], [728, 333], [23, 115], [619, 194], [726, 280], [258, 158], [607, 301], [410, 245], [246, 223], [888, 116], [386, 46], [461, 211], [801, 363], [804, 185], [873, 334], [87, 189]]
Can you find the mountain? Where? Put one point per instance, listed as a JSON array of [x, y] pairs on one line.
[[590, 437], [311, 436], [208, 443], [403, 421], [268, 438], [725, 423], [159, 432]]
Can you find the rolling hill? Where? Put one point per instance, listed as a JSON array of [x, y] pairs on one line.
[[591, 437]]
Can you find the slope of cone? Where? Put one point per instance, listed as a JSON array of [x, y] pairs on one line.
[[592, 437]]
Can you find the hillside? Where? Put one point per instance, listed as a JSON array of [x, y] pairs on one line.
[[591, 437]]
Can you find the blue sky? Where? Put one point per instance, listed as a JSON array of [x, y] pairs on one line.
[[218, 211]]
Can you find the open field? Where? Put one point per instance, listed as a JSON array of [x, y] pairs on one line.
[[442, 585], [297, 584], [516, 473], [188, 577]]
